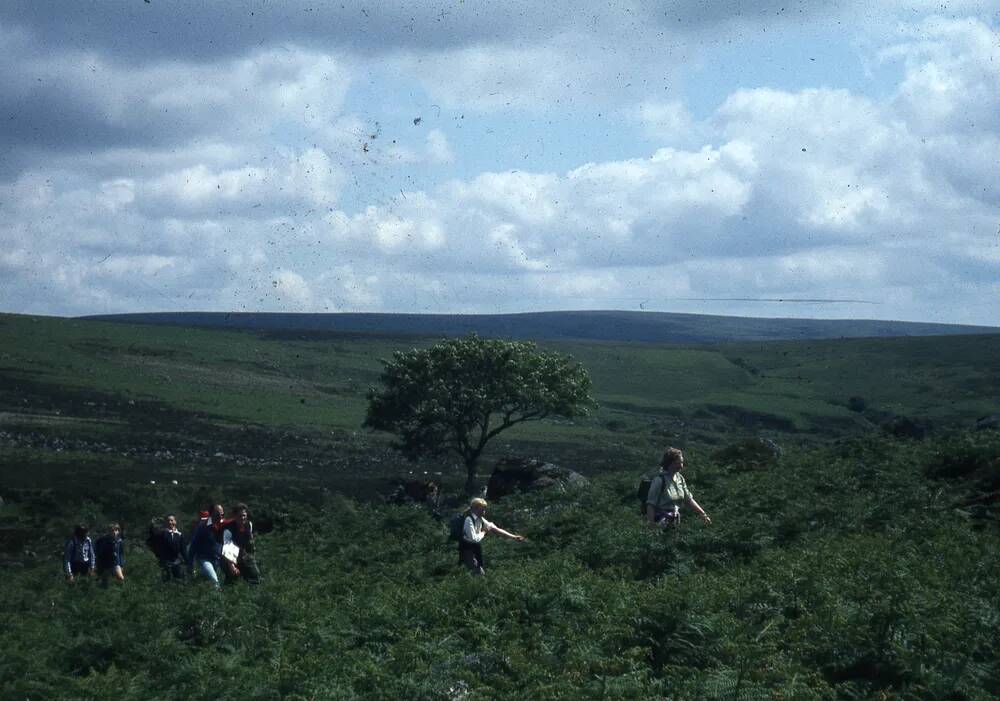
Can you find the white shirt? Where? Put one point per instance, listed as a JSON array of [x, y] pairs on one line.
[[476, 528]]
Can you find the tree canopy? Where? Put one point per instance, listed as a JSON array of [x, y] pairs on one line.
[[457, 395]]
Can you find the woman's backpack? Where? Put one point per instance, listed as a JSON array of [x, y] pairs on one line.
[[456, 526], [643, 490]]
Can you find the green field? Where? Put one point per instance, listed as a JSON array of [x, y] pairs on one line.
[[276, 381], [862, 565]]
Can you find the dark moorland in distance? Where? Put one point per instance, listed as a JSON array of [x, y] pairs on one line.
[[616, 326]]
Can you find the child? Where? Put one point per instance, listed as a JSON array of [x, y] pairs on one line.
[[170, 548], [78, 555], [475, 528], [110, 555]]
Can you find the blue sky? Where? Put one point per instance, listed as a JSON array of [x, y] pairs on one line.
[[501, 157]]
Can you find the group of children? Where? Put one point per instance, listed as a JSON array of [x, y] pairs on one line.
[[227, 544], [216, 543]]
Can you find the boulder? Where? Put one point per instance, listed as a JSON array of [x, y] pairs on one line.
[[904, 427], [751, 454], [423, 492], [514, 474]]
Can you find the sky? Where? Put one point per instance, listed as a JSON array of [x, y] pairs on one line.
[[770, 158]]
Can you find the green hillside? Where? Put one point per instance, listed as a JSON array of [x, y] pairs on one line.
[[92, 370], [861, 565], [586, 326]]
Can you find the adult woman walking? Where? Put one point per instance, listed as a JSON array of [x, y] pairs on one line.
[[669, 490], [238, 547], [475, 528]]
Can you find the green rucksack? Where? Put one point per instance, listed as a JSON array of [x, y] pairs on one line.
[[643, 491], [456, 526]]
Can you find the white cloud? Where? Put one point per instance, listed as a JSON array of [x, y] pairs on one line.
[[664, 121], [291, 290], [221, 185], [305, 179], [438, 148]]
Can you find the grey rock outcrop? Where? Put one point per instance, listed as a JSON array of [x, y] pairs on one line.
[[512, 474]]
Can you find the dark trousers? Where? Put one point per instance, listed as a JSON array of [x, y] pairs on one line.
[[471, 555], [247, 565], [79, 568], [172, 570]]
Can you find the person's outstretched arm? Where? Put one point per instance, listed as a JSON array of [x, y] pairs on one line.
[[506, 534]]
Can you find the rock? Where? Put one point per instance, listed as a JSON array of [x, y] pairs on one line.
[[752, 454], [857, 404], [904, 427], [424, 492], [513, 474], [983, 423]]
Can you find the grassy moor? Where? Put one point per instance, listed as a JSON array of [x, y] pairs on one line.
[[855, 556]]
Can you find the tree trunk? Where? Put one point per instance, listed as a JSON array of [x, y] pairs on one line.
[[470, 480]]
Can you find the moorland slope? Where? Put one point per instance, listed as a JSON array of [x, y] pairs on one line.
[[615, 326], [861, 565]]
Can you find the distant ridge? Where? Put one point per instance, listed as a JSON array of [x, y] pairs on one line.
[[622, 326]]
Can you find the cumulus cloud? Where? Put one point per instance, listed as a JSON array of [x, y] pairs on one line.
[[664, 121], [74, 99], [239, 178], [438, 148]]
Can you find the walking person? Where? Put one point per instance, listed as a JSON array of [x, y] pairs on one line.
[[238, 547], [203, 551], [110, 555], [170, 547], [669, 490], [474, 529], [78, 554]]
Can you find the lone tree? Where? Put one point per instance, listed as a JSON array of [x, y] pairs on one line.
[[457, 395]]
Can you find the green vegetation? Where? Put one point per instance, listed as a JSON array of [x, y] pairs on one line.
[[844, 573], [860, 565], [459, 394]]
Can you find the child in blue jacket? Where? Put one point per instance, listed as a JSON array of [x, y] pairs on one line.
[[78, 555]]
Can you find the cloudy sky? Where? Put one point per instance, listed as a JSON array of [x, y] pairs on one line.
[[767, 158]]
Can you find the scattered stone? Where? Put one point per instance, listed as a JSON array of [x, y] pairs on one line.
[[513, 474]]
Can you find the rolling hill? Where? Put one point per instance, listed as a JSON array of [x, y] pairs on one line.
[[617, 326]]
